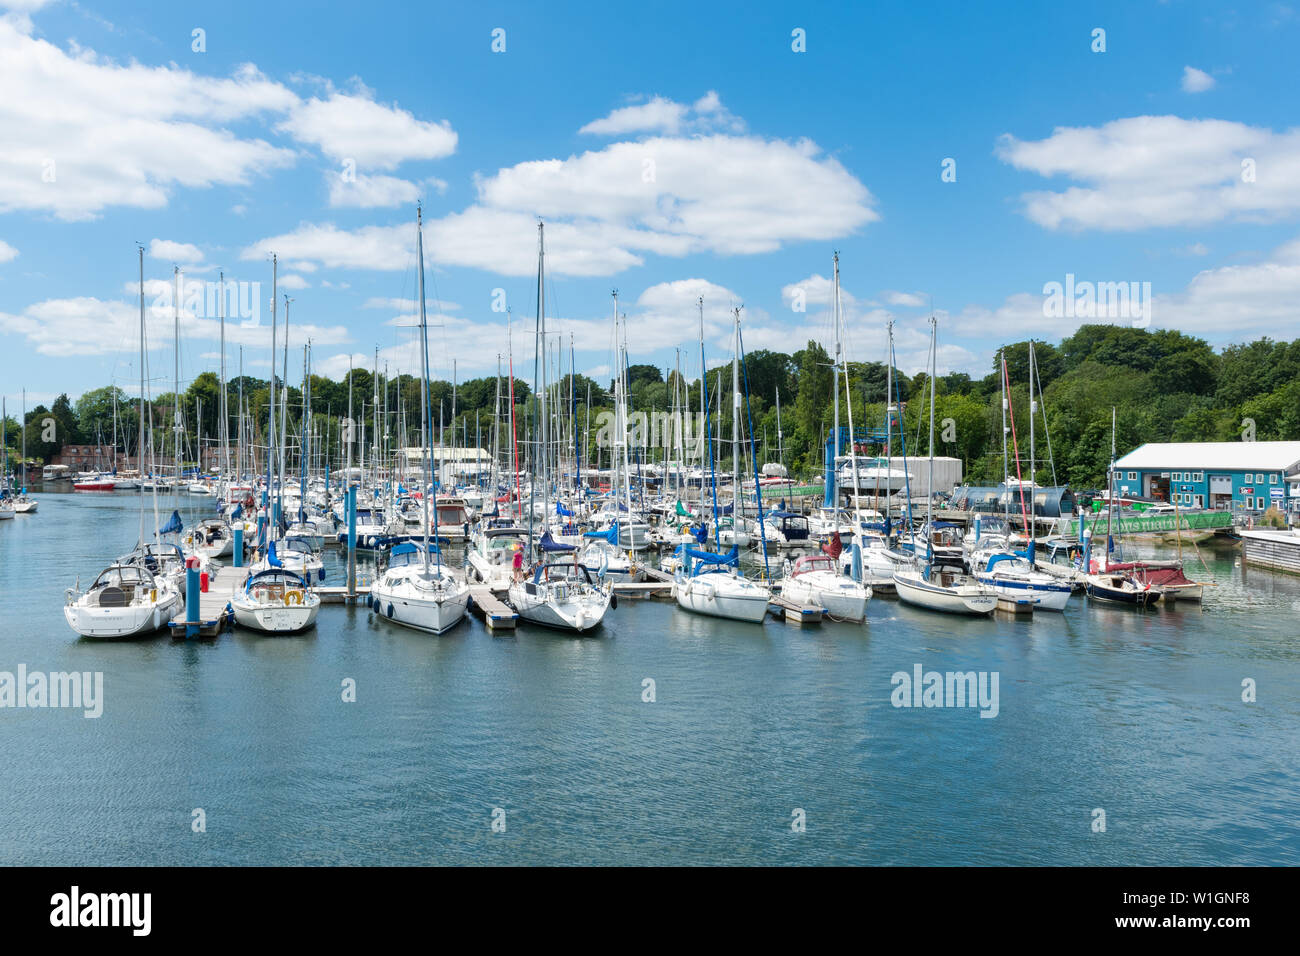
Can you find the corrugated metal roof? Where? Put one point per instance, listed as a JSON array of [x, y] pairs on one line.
[[1214, 455]]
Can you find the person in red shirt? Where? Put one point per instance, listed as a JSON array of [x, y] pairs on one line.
[[517, 563]]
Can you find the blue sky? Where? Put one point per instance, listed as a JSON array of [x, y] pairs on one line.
[[674, 150]]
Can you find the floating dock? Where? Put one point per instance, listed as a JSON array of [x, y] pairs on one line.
[[794, 612], [496, 613], [214, 611]]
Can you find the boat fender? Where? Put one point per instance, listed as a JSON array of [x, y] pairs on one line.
[[613, 601], [390, 610]]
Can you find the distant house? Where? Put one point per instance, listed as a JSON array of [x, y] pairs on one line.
[[84, 457], [1228, 476]]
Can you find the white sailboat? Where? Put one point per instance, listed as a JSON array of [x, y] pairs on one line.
[[555, 594], [815, 579], [276, 601], [413, 591], [710, 582], [127, 599], [930, 585]]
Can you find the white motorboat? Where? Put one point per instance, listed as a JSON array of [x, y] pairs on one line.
[[211, 538], [24, 504], [276, 601], [815, 580], [492, 552], [709, 583], [125, 601], [786, 529]]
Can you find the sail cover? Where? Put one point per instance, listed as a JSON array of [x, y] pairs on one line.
[[549, 544]]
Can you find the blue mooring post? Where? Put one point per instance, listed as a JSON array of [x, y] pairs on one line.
[[351, 508], [239, 548], [191, 602], [828, 489]]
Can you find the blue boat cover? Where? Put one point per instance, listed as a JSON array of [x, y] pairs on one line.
[[610, 535], [550, 544], [562, 511], [732, 557], [173, 525]]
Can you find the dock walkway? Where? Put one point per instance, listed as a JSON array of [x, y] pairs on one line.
[[214, 613]]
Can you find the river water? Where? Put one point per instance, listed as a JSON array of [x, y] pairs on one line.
[[763, 743]]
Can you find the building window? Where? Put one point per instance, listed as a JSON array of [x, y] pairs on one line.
[[1259, 479], [1259, 504], [1132, 476], [1272, 479], [1198, 476]]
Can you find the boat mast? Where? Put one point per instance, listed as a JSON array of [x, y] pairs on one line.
[[426, 437], [929, 491], [835, 391], [735, 423], [223, 433], [140, 440], [176, 385], [270, 428]]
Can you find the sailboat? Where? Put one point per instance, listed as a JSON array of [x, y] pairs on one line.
[[415, 591], [710, 582], [816, 579], [1115, 584], [277, 598], [127, 599], [1013, 573], [933, 586], [560, 594]]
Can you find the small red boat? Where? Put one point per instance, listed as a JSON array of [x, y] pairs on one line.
[[92, 486]]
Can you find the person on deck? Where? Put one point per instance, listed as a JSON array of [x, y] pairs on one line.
[[517, 563]]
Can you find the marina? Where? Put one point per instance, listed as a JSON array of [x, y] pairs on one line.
[[747, 722], [636, 437]]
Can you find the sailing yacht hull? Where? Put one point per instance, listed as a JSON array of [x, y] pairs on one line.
[[722, 598], [963, 599], [122, 623], [569, 615], [410, 606], [842, 598], [276, 618], [1046, 597]]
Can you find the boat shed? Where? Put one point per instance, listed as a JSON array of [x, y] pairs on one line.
[[1001, 499], [1226, 476]]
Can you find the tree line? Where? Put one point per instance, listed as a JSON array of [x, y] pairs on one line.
[[1164, 385]]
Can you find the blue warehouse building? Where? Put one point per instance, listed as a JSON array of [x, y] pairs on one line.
[[1220, 476]]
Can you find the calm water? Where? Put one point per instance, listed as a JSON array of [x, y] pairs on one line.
[[1139, 714]]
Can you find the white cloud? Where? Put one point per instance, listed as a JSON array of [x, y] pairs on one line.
[[172, 251], [606, 209], [1157, 171], [910, 300], [293, 282], [7, 252], [1196, 81], [83, 133], [374, 136], [376, 192], [89, 326], [661, 115], [658, 115]]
